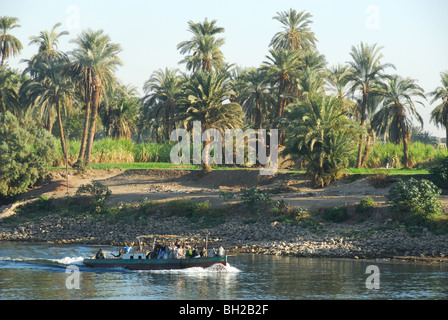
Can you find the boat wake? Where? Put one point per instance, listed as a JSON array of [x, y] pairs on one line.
[[63, 262], [216, 268]]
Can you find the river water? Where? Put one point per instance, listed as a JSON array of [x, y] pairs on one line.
[[31, 271]]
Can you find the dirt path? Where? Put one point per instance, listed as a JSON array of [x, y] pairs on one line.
[[130, 186]]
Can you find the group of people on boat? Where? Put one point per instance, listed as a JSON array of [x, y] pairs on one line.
[[168, 251]]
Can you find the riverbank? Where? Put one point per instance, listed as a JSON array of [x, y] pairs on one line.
[[373, 234]]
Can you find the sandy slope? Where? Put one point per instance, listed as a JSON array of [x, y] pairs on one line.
[[161, 184]]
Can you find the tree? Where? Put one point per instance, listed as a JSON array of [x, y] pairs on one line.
[[296, 34], [337, 79], [119, 111], [163, 91], [26, 153], [439, 114], [311, 77], [48, 43], [203, 50], [255, 97], [39, 68], [366, 73], [10, 82], [94, 61], [51, 90], [320, 133], [398, 110], [206, 100], [282, 67], [10, 45]]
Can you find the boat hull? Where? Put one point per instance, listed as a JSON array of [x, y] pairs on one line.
[[155, 264]]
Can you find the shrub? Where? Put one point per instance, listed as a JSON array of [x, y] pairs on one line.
[[419, 198], [99, 192], [256, 200], [439, 173], [26, 153], [226, 195], [366, 204], [337, 214]]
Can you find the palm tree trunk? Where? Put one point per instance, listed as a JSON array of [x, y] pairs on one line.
[[61, 131], [405, 152], [366, 151], [206, 167], [363, 124], [3, 54], [82, 150], [93, 120], [446, 135]]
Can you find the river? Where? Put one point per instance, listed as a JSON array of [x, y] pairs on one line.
[[30, 271]]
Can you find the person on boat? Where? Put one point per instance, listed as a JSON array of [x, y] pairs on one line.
[[203, 253], [119, 255], [161, 253], [211, 252], [99, 254], [179, 254], [188, 253], [195, 253], [221, 251], [169, 251], [128, 249]]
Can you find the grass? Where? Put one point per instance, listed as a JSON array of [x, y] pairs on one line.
[[138, 165], [388, 171]]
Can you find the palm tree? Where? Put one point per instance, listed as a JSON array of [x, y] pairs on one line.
[[255, 97], [296, 34], [53, 89], [283, 68], [48, 43], [94, 61], [374, 100], [10, 45], [398, 110], [163, 92], [366, 73], [320, 132], [206, 100], [203, 49], [38, 65], [440, 113], [10, 82], [119, 111], [337, 79]]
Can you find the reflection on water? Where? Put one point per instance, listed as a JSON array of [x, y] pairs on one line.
[[37, 271]]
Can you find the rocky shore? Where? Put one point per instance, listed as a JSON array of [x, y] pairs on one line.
[[374, 235], [363, 241]]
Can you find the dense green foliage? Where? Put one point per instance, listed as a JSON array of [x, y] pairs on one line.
[[418, 198], [365, 205], [322, 112], [439, 174], [337, 214], [26, 153], [98, 192]]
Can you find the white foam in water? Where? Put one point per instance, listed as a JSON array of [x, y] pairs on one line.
[[69, 260], [65, 260], [199, 270]]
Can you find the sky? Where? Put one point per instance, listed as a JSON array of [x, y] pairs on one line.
[[413, 33]]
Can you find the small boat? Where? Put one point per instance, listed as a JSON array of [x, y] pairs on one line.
[[143, 261]]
